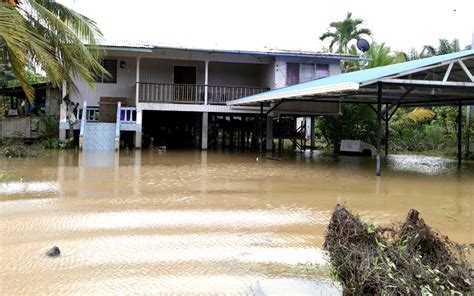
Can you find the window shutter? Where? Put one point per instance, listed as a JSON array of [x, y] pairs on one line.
[[322, 70], [292, 73], [307, 72]]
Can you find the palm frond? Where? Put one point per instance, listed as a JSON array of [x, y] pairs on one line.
[[416, 116], [15, 37]]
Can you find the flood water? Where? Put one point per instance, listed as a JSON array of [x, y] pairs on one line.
[[191, 222]]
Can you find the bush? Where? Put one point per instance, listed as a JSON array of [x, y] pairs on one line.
[[54, 143], [16, 148], [357, 122], [48, 126]]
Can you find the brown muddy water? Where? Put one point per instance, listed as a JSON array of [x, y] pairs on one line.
[[191, 222]]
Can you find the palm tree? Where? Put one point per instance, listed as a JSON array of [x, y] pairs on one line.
[[382, 55], [47, 35], [343, 32], [444, 47]]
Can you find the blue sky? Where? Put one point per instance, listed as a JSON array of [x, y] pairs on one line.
[[296, 24]]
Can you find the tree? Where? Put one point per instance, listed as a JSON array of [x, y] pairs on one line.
[[382, 55], [356, 122], [342, 32], [47, 35], [444, 47]]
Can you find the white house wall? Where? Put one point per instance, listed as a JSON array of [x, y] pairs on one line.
[[162, 70], [237, 74], [124, 88]]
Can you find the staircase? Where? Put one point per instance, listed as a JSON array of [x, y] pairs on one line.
[[99, 136]]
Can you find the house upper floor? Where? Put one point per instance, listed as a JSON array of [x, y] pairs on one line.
[[144, 74]]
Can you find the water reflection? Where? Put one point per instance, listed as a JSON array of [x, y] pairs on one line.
[[204, 222]]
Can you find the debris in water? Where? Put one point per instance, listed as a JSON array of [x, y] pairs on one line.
[[53, 252], [407, 259]]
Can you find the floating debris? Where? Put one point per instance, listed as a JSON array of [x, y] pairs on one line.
[[407, 259], [53, 252]]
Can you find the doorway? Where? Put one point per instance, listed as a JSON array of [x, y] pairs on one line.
[[184, 75], [184, 81]]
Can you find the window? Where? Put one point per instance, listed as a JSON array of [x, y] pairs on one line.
[[292, 73], [111, 66], [307, 72], [322, 70]]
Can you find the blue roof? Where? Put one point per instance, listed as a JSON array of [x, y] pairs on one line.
[[353, 80]]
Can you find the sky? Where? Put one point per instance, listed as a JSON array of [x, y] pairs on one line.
[[291, 24]]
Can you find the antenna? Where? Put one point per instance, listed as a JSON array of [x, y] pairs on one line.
[[363, 45]]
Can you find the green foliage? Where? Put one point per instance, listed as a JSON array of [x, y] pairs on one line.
[[444, 47], [437, 134], [16, 148], [31, 78], [342, 32], [54, 143], [48, 126], [47, 34], [357, 122], [413, 117]]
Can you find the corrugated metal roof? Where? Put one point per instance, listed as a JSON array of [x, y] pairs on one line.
[[219, 49], [350, 81]]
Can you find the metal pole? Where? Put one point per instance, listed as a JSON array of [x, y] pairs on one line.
[[379, 129], [261, 128], [468, 127], [459, 122], [386, 132]]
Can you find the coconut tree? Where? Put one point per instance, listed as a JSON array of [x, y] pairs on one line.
[[47, 35], [382, 55], [342, 32], [444, 47]]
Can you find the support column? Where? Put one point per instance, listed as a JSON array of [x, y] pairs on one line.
[[307, 140], [139, 115], [459, 122], [204, 130], [386, 131], [63, 113], [468, 127], [269, 142], [311, 126], [137, 81], [260, 129], [379, 130], [138, 132], [206, 81], [280, 140]]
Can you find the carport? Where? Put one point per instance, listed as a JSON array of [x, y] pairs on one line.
[[434, 81]]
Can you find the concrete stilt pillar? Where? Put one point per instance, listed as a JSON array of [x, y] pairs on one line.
[[62, 121], [269, 143], [308, 131], [204, 130], [62, 134], [138, 133]]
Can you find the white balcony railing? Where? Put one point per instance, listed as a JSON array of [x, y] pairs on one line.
[[193, 93]]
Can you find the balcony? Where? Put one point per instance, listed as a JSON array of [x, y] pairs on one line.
[[193, 93]]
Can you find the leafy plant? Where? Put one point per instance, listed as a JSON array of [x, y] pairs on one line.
[[48, 126], [54, 143]]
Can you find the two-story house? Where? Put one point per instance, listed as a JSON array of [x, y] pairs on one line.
[[176, 96]]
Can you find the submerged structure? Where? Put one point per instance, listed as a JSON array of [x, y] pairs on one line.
[[176, 96]]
